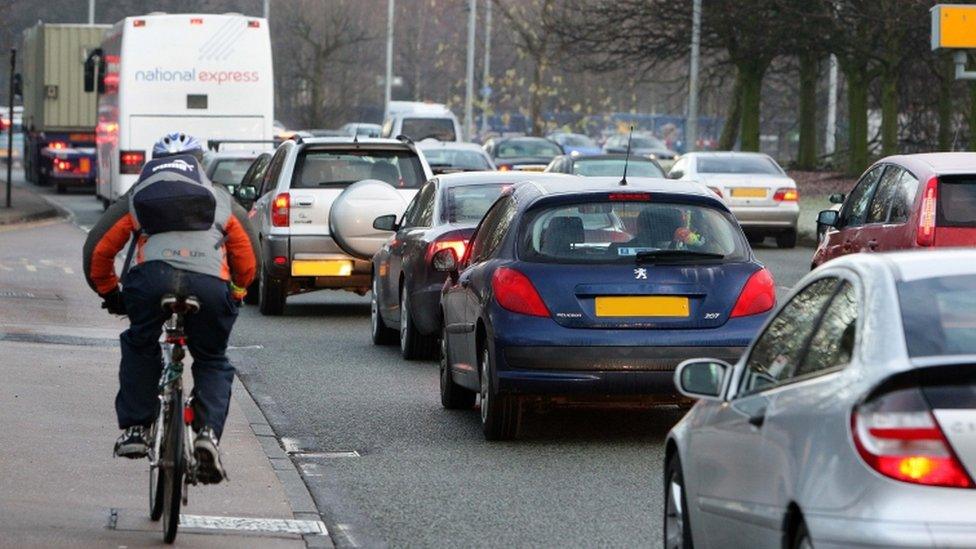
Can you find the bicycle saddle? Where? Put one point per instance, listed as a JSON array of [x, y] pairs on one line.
[[180, 304]]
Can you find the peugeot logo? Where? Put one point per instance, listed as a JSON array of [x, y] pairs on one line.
[[640, 273]]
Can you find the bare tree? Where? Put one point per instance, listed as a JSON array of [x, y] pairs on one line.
[[535, 41]]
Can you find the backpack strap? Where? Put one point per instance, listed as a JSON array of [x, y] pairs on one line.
[[129, 254]]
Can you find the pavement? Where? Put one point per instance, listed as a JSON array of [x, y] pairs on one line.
[[26, 206], [59, 484]]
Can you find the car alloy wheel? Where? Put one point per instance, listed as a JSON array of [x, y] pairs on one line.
[[485, 386], [677, 532], [381, 334], [404, 323]]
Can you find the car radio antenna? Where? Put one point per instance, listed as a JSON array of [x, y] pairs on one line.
[[623, 180]]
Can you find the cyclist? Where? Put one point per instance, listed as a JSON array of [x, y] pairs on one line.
[[188, 237]]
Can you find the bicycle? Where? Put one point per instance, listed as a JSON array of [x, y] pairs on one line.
[[172, 466]]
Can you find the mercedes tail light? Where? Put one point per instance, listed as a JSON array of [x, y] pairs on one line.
[[456, 244], [757, 296], [515, 292], [925, 236], [281, 210], [786, 194], [897, 435], [130, 162]]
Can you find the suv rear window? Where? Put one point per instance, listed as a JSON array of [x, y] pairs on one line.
[[957, 201], [939, 315], [617, 232], [418, 129], [337, 168]]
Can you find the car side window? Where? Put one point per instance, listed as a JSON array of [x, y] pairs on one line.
[[856, 205], [881, 201], [255, 174], [832, 345], [410, 214], [271, 177], [425, 207], [492, 229], [904, 198], [776, 354]]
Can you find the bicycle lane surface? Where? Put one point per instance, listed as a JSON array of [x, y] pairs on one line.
[[59, 484]]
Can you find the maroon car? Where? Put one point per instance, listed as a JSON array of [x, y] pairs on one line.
[[904, 202]]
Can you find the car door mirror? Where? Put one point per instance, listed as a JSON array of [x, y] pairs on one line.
[[702, 378], [445, 261], [836, 198], [827, 218], [385, 223]]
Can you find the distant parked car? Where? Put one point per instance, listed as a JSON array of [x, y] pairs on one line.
[[362, 129], [849, 422], [406, 288], [530, 154], [418, 121], [575, 143], [605, 165], [913, 201], [642, 144], [763, 198], [452, 156]]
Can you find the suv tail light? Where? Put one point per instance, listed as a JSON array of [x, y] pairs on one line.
[[281, 210], [515, 292], [131, 162], [896, 435], [786, 194], [757, 296], [926, 217]]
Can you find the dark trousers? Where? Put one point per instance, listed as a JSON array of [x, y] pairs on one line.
[[207, 332]]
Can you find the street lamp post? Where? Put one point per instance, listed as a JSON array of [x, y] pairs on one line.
[[486, 75], [388, 81], [691, 125], [469, 77], [91, 12]]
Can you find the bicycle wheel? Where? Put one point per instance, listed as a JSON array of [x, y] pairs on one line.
[[156, 472], [172, 467]]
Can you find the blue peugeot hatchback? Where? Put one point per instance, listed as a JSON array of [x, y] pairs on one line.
[[594, 290]]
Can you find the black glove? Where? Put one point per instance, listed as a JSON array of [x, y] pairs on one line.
[[112, 301]]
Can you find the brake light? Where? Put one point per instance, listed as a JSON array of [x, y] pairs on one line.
[[280, 210], [196, 20], [504, 167], [515, 292], [453, 244], [254, 24], [131, 161], [926, 218], [57, 145], [139, 23], [757, 296], [630, 197], [786, 195], [897, 436], [63, 165]]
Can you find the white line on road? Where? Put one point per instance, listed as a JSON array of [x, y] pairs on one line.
[[245, 347], [30, 267], [279, 526]]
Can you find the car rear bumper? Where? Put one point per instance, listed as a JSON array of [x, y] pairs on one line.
[[841, 532], [312, 247], [781, 216]]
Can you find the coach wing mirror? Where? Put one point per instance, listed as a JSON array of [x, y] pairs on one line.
[[827, 218], [385, 223], [445, 261], [702, 378], [89, 75], [836, 198]]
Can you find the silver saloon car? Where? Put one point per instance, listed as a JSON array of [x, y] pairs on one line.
[[849, 422]]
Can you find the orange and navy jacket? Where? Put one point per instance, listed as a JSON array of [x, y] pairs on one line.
[[238, 259]]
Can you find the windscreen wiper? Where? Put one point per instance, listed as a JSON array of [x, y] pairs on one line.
[[652, 256]]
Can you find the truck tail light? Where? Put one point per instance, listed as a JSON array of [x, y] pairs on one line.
[[515, 292], [281, 210], [786, 195], [757, 296], [63, 165], [896, 435], [57, 145], [926, 217], [130, 162]]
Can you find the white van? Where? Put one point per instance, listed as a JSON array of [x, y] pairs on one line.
[[420, 121], [206, 75]]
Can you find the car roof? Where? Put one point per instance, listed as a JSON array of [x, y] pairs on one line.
[[609, 156], [505, 178], [916, 265], [935, 163], [454, 145], [352, 141], [585, 185], [237, 154], [726, 154]]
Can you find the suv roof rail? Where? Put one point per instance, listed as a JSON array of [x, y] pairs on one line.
[[404, 139], [214, 144], [297, 138]]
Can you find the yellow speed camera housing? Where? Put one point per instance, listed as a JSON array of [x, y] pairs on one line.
[[953, 26]]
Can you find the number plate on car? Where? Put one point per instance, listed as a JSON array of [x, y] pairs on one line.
[[321, 267], [748, 192], [649, 305]]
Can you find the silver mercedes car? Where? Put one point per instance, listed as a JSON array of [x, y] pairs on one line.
[[849, 422]]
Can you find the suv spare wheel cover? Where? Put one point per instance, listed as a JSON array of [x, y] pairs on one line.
[[352, 214]]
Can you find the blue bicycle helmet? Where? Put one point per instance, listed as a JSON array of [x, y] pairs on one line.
[[177, 143]]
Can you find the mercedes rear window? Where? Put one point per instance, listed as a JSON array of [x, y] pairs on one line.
[[468, 203], [527, 148], [939, 315], [418, 129], [738, 164], [614, 167], [957, 201], [326, 168], [630, 231]]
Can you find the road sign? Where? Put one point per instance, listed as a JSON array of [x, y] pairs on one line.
[[953, 26]]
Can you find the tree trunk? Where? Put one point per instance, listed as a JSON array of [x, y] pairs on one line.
[[731, 128], [857, 128], [752, 77], [889, 112], [809, 71], [535, 101], [945, 104]]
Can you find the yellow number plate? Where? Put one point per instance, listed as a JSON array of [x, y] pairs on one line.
[[651, 305], [749, 192], [321, 267]]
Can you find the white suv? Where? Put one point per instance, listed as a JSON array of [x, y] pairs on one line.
[[314, 211]]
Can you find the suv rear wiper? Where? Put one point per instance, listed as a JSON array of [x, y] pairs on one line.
[[679, 255]]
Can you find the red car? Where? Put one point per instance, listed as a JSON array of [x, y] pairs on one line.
[[905, 202]]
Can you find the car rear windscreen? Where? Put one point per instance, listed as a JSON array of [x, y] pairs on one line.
[[957, 201], [527, 148], [621, 232], [614, 167], [468, 203], [459, 159], [332, 168], [738, 164], [230, 171], [939, 315], [441, 129]]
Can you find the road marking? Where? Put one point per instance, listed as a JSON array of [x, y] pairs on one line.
[[68, 270], [245, 347], [30, 267], [277, 526], [293, 447]]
